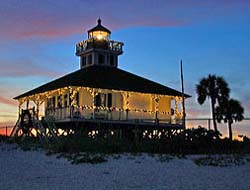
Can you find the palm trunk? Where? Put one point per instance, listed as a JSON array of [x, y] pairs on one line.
[[230, 131], [213, 115]]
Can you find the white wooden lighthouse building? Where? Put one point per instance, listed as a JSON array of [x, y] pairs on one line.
[[101, 92]]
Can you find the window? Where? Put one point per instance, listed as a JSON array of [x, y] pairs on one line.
[[83, 61], [172, 106], [97, 100], [90, 59], [50, 103], [104, 100], [116, 60], [54, 102], [112, 60], [109, 100], [101, 58], [65, 100], [59, 101], [77, 98]]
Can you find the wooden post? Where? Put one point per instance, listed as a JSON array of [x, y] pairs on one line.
[[20, 102], [209, 121], [27, 104], [156, 119], [119, 114], [183, 99]]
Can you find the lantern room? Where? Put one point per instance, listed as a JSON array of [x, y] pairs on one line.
[[99, 32]]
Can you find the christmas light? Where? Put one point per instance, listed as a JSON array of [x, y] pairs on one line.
[[72, 91]]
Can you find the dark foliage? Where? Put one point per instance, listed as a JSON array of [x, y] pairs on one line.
[[221, 161], [189, 141], [215, 88], [229, 111]]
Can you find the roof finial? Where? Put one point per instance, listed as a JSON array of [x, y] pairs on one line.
[[99, 21]]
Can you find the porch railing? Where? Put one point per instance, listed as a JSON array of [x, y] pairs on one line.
[[70, 113]]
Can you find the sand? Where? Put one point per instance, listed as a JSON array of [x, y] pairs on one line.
[[34, 170]]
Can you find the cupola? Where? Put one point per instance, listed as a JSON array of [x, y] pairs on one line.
[[99, 49]]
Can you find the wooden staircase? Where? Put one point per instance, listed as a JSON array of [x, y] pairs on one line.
[[44, 129]]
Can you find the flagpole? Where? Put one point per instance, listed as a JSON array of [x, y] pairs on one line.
[[183, 99]]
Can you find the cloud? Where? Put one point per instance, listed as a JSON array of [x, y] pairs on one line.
[[245, 102], [24, 68], [8, 101], [23, 20]]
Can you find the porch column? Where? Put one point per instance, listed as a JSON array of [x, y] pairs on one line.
[[19, 108], [37, 109], [93, 93], [176, 105], [20, 103], [72, 97], [38, 100], [64, 94], [38, 104], [125, 96], [177, 100], [182, 108], [27, 104], [156, 99]]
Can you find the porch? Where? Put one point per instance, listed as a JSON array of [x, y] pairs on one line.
[[99, 115]]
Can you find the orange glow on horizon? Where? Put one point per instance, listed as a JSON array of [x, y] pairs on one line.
[[6, 130]]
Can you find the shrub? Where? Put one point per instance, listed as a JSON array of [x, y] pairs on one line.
[[221, 160]]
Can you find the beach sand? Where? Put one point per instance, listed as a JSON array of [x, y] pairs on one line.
[[34, 170]]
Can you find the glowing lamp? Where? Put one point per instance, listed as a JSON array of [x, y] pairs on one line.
[[99, 37]]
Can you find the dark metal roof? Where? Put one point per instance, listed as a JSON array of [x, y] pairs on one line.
[[105, 77], [99, 27]]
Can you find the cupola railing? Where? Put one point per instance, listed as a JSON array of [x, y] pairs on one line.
[[110, 45]]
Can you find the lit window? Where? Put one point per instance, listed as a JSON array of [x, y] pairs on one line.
[[99, 35]]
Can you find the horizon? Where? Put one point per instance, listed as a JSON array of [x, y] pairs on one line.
[[38, 43]]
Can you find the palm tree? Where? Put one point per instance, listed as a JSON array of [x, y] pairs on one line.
[[215, 88], [230, 111]]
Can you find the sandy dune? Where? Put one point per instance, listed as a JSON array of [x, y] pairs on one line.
[[35, 170]]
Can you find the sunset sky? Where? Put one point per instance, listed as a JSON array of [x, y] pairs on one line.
[[37, 43]]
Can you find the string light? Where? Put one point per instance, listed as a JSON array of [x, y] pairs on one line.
[[40, 98]]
